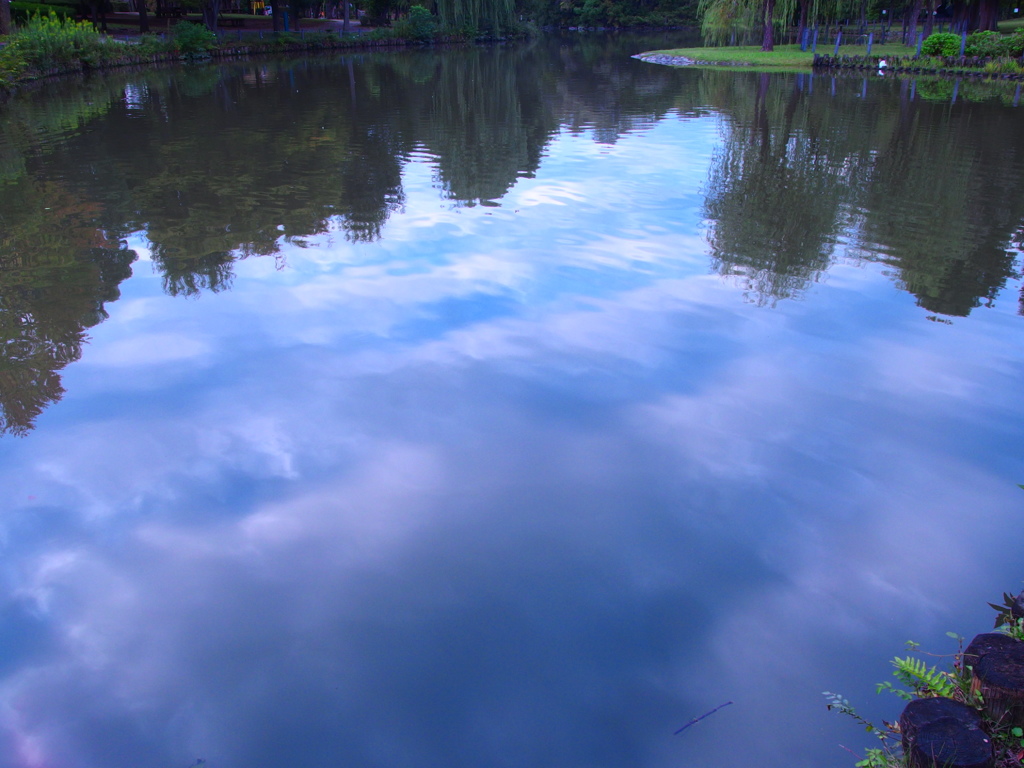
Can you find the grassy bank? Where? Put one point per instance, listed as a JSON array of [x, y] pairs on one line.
[[784, 56], [49, 45], [900, 58]]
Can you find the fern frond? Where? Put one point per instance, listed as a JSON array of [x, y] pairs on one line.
[[924, 681]]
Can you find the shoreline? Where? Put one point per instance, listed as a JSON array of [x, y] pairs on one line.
[[955, 67]]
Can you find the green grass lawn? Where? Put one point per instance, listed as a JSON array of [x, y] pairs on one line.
[[786, 56], [1011, 25]]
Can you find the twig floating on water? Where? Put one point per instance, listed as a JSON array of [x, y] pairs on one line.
[[698, 719]]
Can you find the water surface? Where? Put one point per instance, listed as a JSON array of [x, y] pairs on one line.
[[497, 407]]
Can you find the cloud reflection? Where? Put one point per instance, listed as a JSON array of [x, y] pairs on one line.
[[427, 505], [479, 565]]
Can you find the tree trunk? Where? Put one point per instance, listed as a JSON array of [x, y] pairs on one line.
[[999, 675], [295, 8], [275, 14], [930, 21], [915, 14], [143, 17], [767, 38], [211, 10], [347, 13], [984, 644], [803, 22], [5, 17], [988, 15], [942, 733]]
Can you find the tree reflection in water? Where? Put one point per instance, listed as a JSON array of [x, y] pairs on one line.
[[219, 164]]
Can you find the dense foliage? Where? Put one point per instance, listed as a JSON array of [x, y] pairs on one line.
[[941, 44]]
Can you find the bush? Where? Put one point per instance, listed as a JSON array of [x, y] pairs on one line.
[[22, 12], [48, 42], [418, 25], [192, 39], [941, 44], [1015, 44], [12, 65], [283, 40], [984, 44], [151, 44]]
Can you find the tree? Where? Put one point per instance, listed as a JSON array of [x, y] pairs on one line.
[[482, 15], [5, 17], [721, 19]]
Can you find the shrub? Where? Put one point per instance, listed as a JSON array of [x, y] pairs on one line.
[[380, 33], [151, 44], [12, 64], [22, 12], [49, 42], [941, 44], [283, 40], [192, 39], [417, 25], [984, 44], [1015, 43]]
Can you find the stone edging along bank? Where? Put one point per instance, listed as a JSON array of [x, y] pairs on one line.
[[316, 42], [682, 61], [960, 66]]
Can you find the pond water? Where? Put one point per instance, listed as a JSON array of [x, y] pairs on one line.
[[497, 407]]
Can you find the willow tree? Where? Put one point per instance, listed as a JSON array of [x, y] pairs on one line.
[[721, 19], [482, 15]]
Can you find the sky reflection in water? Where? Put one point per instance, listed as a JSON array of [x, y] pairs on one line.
[[512, 486]]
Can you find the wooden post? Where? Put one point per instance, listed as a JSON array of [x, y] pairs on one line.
[[983, 644], [943, 733], [999, 676]]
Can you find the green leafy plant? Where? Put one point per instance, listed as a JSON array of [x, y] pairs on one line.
[[1005, 610], [22, 12], [192, 39], [923, 681], [1004, 66], [50, 42], [879, 758], [1015, 47], [984, 43], [1014, 629], [418, 25], [941, 44], [887, 754]]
